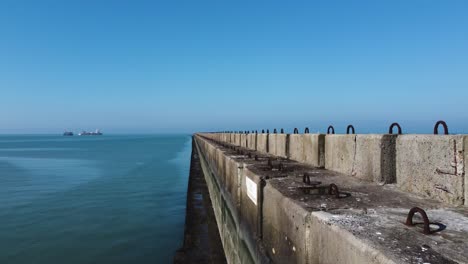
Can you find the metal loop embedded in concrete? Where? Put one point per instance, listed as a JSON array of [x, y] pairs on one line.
[[390, 130], [332, 130], [409, 219], [333, 190], [306, 130], [306, 178], [350, 127], [296, 131], [436, 127]]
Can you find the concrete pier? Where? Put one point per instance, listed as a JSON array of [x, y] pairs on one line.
[[311, 198]]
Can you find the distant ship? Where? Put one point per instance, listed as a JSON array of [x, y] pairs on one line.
[[95, 133], [68, 133]]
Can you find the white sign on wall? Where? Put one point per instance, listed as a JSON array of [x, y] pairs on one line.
[[251, 189]]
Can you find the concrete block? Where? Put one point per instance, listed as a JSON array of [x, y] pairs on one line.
[[296, 147], [252, 141], [272, 143], [314, 149], [285, 228], [262, 143], [243, 140], [281, 145], [340, 151], [237, 140], [233, 169], [375, 158], [465, 149], [307, 148], [250, 195], [432, 166]]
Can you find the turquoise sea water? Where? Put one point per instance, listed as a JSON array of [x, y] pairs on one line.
[[102, 199]]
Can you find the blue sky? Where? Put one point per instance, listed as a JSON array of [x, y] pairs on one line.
[[184, 66]]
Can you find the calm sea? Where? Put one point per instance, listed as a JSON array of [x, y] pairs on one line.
[[95, 199]]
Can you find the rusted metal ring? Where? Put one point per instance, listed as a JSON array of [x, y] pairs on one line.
[[390, 130], [306, 130], [296, 131], [280, 166], [270, 163], [274, 131], [333, 190], [332, 130], [409, 219], [306, 178], [350, 127], [282, 131], [436, 127]]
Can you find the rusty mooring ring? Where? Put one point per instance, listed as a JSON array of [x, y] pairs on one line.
[[296, 131], [306, 130], [333, 190], [306, 178], [350, 127], [390, 129], [436, 127], [332, 130], [409, 219]]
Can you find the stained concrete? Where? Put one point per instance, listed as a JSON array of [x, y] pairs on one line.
[[364, 225], [252, 141], [243, 140], [202, 243], [340, 152], [262, 143], [375, 158], [277, 144], [308, 149], [465, 149], [432, 166]]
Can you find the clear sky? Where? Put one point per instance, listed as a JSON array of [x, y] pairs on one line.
[[182, 66]]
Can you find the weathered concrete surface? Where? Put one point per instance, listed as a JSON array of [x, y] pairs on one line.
[[363, 226], [465, 149], [262, 143], [243, 140], [308, 149], [375, 158], [277, 145], [368, 157], [202, 243], [252, 141], [340, 152], [432, 166]]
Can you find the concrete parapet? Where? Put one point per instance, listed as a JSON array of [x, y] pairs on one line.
[[262, 143], [252, 141], [277, 145], [432, 166], [368, 157], [237, 139], [276, 221], [340, 151], [243, 140], [308, 149]]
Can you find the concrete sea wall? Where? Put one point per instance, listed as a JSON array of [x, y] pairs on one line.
[[267, 214]]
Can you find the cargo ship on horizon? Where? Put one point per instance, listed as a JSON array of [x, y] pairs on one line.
[[95, 133]]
